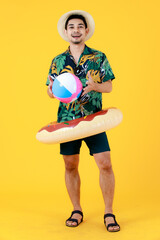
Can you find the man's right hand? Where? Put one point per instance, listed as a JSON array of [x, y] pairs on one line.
[[49, 90]]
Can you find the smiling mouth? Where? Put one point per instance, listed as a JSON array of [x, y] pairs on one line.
[[76, 36]]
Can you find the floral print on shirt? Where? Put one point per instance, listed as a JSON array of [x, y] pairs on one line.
[[90, 60]]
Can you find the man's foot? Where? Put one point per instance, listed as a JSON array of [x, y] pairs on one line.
[[111, 223], [75, 219]]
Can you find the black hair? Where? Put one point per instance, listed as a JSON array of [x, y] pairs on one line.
[[76, 16]]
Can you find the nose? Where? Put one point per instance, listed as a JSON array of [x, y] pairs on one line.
[[76, 29]]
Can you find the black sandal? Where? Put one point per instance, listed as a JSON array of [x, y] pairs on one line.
[[111, 224], [73, 219]]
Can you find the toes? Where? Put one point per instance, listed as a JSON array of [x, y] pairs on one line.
[[114, 229], [70, 223]]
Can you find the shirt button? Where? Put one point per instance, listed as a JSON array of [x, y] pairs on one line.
[[77, 70]]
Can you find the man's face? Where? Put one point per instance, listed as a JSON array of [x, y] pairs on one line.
[[76, 31]]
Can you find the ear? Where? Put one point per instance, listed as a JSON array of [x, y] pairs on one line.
[[65, 31], [87, 31]]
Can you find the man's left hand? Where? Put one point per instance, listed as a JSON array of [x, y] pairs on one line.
[[91, 85]]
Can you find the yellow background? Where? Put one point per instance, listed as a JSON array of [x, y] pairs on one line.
[[34, 201]]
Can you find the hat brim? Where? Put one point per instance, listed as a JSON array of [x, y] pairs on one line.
[[86, 15]]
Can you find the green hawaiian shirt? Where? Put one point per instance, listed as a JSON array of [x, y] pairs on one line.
[[90, 60]]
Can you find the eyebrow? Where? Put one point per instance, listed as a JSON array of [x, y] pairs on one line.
[[71, 24]]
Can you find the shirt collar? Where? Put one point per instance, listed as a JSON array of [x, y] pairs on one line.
[[86, 51]]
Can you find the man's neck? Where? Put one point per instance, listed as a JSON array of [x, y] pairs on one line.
[[76, 50]]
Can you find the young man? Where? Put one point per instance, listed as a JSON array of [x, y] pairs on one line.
[[95, 73]]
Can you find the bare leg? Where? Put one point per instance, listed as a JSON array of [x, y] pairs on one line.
[[72, 181], [107, 183]]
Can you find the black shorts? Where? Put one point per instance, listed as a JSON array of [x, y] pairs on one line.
[[97, 143]]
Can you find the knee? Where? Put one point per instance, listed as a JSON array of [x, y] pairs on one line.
[[104, 163], [71, 162]]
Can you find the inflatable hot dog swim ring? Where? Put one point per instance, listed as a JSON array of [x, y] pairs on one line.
[[81, 127]]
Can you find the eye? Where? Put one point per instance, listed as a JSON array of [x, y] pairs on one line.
[[70, 27]]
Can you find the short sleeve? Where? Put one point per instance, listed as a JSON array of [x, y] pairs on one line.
[[106, 70], [52, 72]]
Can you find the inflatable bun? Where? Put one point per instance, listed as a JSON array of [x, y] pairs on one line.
[[81, 127]]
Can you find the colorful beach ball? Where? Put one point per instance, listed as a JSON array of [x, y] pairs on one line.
[[67, 87]]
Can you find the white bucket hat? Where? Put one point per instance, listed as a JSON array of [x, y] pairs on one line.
[[89, 20]]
